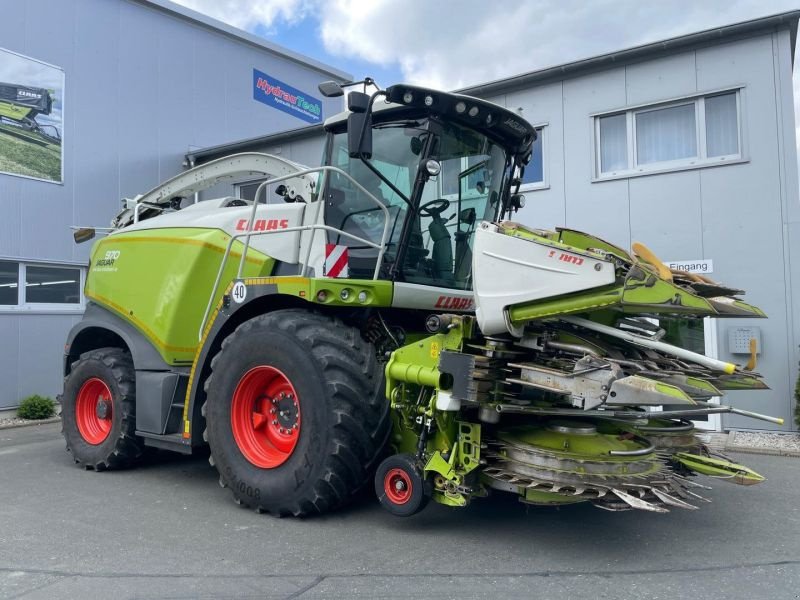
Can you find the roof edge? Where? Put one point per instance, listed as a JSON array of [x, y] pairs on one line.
[[166, 6], [785, 20], [247, 144]]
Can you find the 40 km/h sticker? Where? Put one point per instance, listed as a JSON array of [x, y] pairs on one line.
[[239, 292]]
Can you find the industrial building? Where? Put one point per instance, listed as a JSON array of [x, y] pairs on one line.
[[687, 144], [143, 82]]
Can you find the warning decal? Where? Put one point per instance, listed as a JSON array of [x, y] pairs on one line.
[[335, 261]]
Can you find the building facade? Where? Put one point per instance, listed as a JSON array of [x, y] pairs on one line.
[[125, 88], [687, 145]]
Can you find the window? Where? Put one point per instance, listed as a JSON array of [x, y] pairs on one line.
[[9, 280], [534, 177], [688, 133], [52, 285], [46, 287], [247, 191]]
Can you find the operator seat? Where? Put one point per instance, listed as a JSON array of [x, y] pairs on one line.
[[442, 252]]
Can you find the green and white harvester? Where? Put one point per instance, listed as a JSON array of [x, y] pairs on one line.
[[381, 318]]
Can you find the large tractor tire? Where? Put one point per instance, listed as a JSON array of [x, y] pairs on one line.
[[296, 415], [98, 414]]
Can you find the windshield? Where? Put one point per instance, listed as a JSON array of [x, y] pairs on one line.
[[438, 235], [466, 192]]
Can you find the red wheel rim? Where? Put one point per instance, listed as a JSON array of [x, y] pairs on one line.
[[265, 417], [397, 485], [94, 411]]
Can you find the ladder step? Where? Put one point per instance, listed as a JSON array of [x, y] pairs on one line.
[[171, 441]]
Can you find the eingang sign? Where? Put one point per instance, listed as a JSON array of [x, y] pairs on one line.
[[284, 97], [699, 267]]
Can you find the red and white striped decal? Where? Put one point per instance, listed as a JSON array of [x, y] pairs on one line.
[[335, 261]]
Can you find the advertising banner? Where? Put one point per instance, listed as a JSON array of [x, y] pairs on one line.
[[31, 118], [277, 94]]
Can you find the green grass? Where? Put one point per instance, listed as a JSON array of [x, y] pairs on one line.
[[26, 153]]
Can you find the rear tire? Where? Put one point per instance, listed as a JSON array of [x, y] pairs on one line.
[[296, 414], [98, 413]]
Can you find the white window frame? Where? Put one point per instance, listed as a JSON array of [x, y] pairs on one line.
[[545, 182], [23, 306], [701, 160]]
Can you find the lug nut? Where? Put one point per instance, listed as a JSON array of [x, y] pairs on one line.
[[274, 422]]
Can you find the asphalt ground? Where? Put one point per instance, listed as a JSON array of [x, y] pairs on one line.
[[167, 530]]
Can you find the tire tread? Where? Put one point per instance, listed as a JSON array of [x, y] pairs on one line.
[[360, 412]]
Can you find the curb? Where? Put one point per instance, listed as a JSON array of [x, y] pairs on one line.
[[31, 423], [726, 442], [763, 451]]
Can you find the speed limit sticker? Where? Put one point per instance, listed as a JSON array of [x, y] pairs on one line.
[[239, 292]]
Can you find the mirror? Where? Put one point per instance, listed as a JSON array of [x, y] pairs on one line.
[[359, 145], [330, 89], [358, 102], [83, 234]]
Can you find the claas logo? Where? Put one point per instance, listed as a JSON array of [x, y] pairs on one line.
[[454, 303], [263, 224]]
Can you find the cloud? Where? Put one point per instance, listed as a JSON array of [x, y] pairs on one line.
[[449, 44]]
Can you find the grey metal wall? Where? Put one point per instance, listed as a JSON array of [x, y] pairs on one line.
[[142, 88], [305, 151], [746, 217]]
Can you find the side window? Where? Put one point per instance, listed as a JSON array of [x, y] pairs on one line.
[[9, 283], [694, 132], [534, 177], [40, 287]]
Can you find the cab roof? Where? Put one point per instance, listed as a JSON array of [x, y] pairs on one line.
[[492, 120]]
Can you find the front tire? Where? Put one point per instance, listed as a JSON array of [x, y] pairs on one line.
[[295, 413], [401, 487], [98, 414]]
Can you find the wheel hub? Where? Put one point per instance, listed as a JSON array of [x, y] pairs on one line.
[[94, 411], [286, 412], [265, 417], [103, 409], [397, 485]]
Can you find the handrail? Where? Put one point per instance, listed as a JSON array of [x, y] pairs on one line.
[[311, 228], [146, 205]]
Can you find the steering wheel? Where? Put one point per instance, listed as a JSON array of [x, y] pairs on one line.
[[434, 208]]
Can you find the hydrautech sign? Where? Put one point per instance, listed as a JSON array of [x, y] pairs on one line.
[[284, 97]]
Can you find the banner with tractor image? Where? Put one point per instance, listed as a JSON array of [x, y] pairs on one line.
[[31, 117]]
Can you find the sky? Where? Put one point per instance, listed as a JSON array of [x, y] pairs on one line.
[[449, 44]]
